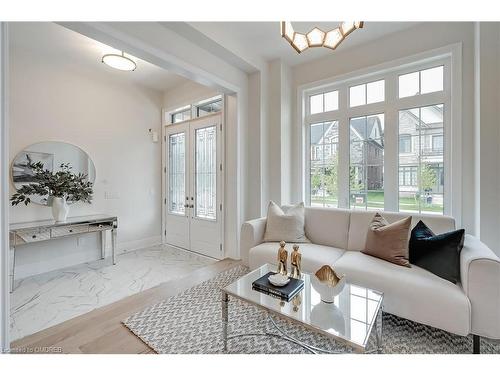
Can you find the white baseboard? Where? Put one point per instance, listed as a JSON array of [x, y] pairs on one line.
[[39, 264], [125, 247]]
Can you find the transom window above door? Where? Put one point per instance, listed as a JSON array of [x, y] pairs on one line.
[[380, 143], [191, 111]]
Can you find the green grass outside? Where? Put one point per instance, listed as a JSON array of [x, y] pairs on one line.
[[376, 201]]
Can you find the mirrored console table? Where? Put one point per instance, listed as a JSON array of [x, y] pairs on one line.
[[44, 230]]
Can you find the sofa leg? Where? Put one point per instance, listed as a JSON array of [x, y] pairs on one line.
[[476, 344]]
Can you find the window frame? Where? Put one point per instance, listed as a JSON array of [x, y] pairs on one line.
[[450, 58], [196, 106], [186, 108], [193, 108], [366, 92]]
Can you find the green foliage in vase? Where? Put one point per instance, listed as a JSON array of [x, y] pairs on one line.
[[62, 184]]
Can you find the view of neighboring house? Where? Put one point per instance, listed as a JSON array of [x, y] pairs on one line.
[[421, 148], [421, 135]]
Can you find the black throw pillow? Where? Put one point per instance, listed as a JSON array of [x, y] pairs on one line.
[[439, 254]]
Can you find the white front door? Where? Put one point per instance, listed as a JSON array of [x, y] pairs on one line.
[[194, 186], [177, 184]]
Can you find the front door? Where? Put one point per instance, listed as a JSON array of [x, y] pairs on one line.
[[194, 186], [177, 183]]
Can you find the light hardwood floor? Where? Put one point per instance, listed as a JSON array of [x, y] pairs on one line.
[[101, 330]]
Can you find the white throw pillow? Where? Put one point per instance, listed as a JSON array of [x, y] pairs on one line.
[[288, 227]]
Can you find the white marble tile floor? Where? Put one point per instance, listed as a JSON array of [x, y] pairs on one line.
[[41, 301]]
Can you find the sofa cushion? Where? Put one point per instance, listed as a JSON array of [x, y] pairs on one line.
[[412, 293], [439, 254], [389, 241], [283, 226], [313, 256], [360, 221], [327, 226]]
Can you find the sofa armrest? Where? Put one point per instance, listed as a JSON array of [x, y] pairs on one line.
[[252, 234], [480, 277]]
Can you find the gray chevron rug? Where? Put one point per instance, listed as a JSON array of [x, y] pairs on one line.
[[190, 322]]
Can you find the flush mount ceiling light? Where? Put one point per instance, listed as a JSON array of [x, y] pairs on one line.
[[120, 62], [317, 37]]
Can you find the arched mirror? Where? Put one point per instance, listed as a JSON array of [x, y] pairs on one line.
[[52, 154]]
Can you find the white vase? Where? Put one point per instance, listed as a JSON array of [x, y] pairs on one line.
[[326, 292], [60, 209]]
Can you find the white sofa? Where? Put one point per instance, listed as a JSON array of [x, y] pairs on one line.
[[336, 235]]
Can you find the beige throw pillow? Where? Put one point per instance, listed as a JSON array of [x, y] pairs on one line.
[[288, 227], [389, 241]]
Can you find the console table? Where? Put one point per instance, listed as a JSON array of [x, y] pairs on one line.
[[44, 230]]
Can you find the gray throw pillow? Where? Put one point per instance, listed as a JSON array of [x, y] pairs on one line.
[[288, 227]]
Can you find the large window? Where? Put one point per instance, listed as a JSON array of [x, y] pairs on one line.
[[324, 162], [380, 143], [366, 167], [425, 127]]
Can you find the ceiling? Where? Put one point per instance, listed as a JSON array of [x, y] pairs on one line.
[[45, 40], [242, 44], [264, 40]]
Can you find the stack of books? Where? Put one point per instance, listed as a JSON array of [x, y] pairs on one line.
[[285, 292]]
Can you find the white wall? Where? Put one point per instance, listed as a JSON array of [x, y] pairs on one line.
[[402, 44], [186, 93], [273, 132], [108, 119], [488, 131], [279, 133], [254, 147]]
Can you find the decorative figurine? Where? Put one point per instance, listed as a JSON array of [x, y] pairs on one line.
[[296, 302], [295, 259], [282, 259]]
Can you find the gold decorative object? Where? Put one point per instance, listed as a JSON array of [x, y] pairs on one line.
[[296, 302], [328, 276], [282, 259], [328, 283], [317, 37], [295, 259]]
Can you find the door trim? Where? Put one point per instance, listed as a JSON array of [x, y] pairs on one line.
[[164, 198]]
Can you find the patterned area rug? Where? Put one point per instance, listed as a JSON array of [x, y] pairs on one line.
[[191, 323]]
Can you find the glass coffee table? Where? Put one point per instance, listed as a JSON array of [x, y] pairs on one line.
[[350, 319]]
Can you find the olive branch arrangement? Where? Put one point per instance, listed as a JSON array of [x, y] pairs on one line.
[[62, 184]]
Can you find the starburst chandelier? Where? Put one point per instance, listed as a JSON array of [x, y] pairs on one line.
[[317, 37]]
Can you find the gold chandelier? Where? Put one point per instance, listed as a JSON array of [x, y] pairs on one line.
[[317, 37]]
